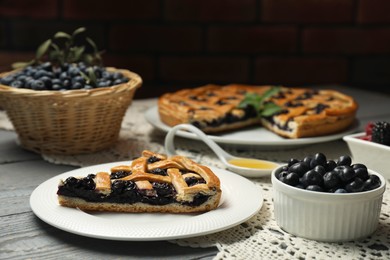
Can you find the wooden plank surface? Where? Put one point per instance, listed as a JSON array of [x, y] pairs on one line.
[[25, 236]]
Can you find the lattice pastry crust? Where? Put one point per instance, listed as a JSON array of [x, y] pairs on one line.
[[305, 112], [152, 183]]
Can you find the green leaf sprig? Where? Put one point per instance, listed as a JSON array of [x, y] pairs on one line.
[[257, 101], [66, 48]]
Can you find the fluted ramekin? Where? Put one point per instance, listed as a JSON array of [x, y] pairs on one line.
[[328, 217]]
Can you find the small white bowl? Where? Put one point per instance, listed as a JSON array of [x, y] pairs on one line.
[[375, 156], [327, 217]]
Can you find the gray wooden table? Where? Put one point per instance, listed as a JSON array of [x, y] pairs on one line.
[[24, 236]]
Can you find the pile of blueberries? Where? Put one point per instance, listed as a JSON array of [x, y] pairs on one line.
[[66, 77], [316, 173]]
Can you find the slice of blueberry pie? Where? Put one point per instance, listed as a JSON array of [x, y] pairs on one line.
[[302, 112], [151, 183]]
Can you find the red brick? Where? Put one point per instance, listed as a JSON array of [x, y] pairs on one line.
[[372, 71], [210, 11], [8, 57], [113, 9], [29, 8], [204, 69], [143, 65], [155, 89], [300, 71], [3, 35], [373, 11], [347, 40], [307, 11], [152, 38], [252, 39]]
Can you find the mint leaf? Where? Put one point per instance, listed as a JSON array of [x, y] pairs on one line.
[[61, 35], [270, 92], [251, 99], [269, 109], [258, 102], [42, 49]]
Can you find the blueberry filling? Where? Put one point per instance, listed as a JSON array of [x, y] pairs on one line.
[[280, 95], [281, 112], [271, 118], [241, 92], [249, 112], [197, 98], [320, 107], [293, 104], [164, 189], [199, 199], [283, 127], [159, 171], [182, 171], [191, 181], [153, 159], [306, 95], [126, 192], [119, 174], [220, 102]]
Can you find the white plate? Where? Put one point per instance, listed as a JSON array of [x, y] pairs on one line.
[[241, 199], [252, 136]]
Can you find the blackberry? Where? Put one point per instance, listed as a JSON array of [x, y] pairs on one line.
[[381, 133]]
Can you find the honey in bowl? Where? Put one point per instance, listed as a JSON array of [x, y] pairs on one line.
[[252, 163]]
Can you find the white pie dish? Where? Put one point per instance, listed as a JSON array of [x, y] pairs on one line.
[[375, 156], [147, 226], [327, 217], [255, 137]]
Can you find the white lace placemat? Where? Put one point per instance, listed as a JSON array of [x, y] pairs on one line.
[[259, 237]]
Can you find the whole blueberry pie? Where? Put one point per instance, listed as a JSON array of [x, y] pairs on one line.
[[151, 183], [301, 112]]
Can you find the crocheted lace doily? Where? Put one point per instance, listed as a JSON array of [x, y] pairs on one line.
[[259, 237]]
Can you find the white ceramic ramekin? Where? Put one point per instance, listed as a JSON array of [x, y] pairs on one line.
[[324, 216], [375, 156]]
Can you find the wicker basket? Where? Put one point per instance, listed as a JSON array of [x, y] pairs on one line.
[[72, 121]]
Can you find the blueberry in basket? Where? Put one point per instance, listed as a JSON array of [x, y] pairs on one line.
[[66, 62], [317, 173]]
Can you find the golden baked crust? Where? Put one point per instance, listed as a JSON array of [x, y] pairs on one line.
[[207, 106], [152, 183], [310, 113], [305, 112]]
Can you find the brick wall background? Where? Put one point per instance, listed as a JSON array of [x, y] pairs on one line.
[[184, 43]]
